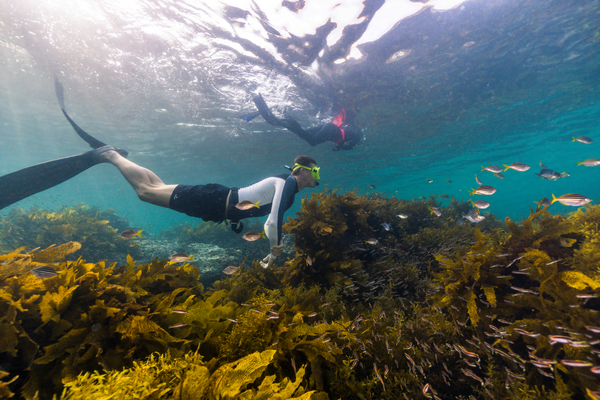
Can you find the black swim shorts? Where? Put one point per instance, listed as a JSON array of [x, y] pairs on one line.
[[200, 201]]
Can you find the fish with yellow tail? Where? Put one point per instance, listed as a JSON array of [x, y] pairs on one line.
[[130, 233], [481, 204], [485, 189], [583, 139], [492, 168], [571, 199], [590, 162], [246, 205], [253, 236], [435, 210], [517, 166]]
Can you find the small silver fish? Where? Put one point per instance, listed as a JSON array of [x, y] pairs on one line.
[[253, 235], [571, 199], [232, 269], [474, 216], [180, 257], [543, 202], [429, 180], [478, 180], [576, 363], [372, 241], [179, 311], [590, 162], [386, 226], [44, 272], [548, 174], [181, 325], [246, 205], [564, 175], [517, 166], [492, 168], [402, 216], [435, 210], [485, 189], [583, 139], [481, 204], [129, 233], [499, 175]]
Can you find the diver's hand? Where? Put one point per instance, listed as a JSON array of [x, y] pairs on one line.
[[268, 261], [277, 250]]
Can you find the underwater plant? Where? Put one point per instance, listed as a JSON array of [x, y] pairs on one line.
[[86, 316], [96, 230], [442, 311], [162, 376]]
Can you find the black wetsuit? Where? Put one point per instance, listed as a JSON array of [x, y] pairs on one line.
[[344, 136], [275, 196]]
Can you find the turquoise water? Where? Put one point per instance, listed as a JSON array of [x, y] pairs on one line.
[[485, 82]]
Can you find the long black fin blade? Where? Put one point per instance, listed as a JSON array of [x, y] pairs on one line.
[[58, 89], [29, 181], [92, 141]]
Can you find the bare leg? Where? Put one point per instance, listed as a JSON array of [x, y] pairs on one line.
[[149, 187]]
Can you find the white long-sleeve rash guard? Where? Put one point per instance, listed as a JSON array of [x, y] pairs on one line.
[[276, 195]]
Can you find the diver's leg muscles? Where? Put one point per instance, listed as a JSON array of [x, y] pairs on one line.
[[148, 186]]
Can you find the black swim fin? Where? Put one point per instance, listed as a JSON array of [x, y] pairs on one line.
[[29, 181], [265, 111], [92, 141], [251, 116]]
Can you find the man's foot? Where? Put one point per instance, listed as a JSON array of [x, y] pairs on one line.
[[103, 154]]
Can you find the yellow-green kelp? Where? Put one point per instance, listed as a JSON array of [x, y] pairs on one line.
[[96, 230], [500, 313]]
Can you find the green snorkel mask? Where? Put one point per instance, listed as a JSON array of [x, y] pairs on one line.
[[314, 170]]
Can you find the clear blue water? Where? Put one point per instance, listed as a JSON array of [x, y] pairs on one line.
[[484, 82]]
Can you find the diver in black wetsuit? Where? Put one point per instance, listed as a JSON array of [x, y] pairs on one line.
[[344, 136]]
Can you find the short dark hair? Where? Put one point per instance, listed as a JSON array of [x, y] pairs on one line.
[[303, 160]]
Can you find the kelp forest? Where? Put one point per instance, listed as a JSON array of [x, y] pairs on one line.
[[379, 298]]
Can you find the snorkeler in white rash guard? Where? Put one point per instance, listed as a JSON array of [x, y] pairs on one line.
[[211, 202]]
